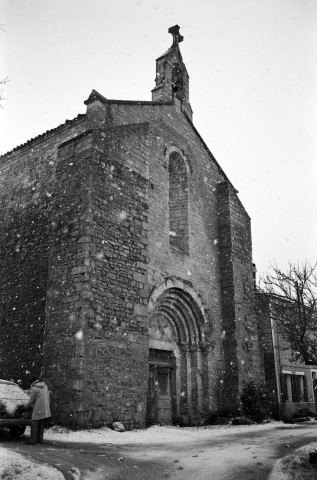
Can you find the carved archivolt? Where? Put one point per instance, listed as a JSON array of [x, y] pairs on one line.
[[176, 314]]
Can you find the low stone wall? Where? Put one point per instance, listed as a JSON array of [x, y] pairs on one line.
[[287, 410]]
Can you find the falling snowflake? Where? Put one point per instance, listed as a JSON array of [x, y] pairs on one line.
[[11, 407], [79, 334], [123, 215]]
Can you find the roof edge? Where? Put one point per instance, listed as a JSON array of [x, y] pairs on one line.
[[207, 148], [80, 117], [96, 96]]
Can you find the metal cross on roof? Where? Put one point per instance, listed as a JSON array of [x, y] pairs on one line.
[[177, 38]]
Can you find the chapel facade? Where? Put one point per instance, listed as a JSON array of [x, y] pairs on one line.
[[127, 275]]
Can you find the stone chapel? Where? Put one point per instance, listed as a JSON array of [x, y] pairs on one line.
[[126, 258]]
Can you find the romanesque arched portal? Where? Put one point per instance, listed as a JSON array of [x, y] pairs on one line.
[[177, 364]]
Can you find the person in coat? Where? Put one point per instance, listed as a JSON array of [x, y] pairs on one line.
[[40, 401]]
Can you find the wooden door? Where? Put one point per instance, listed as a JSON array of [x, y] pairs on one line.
[[159, 396], [164, 395]]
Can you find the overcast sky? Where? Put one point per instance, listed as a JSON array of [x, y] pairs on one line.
[[253, 89]]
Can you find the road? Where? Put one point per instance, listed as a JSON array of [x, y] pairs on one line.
[[235, 455]]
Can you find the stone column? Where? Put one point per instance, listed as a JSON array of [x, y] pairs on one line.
[[240, 340]]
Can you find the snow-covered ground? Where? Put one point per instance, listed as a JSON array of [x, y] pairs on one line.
[[153, 435], [296, 465], [14, 467]]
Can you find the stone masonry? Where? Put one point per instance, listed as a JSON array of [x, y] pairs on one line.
[[127, 264]]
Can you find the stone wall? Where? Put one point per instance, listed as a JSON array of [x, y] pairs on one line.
[[101, 244], [97, 309], [203, 268], [27, 180], [266, 344], [242, 361]]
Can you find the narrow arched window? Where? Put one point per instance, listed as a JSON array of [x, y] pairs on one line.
[[178, 203]]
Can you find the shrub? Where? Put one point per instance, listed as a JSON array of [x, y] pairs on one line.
[[216, 419], [178, 422], [221, 417], [304, 412], [256, 401]]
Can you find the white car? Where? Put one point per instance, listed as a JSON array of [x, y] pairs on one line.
[[12, 414]]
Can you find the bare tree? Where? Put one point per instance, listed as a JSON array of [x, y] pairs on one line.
[[293, 296]]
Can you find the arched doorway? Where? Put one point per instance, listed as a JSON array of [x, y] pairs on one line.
[[177, 358]]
